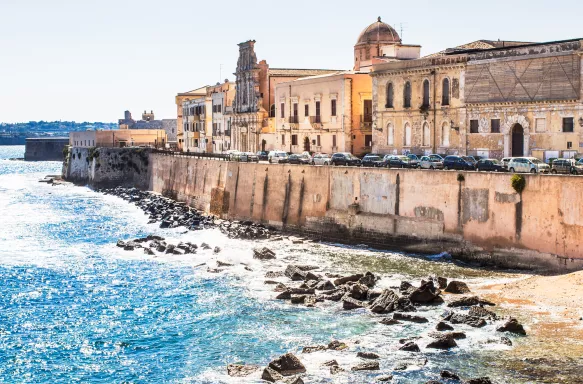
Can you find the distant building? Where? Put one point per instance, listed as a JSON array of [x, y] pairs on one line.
[[179, 100], [149, 121], [119, 138]]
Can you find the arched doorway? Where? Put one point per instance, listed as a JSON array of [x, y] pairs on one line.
[[263, 144], [517, 140], [306, 144]]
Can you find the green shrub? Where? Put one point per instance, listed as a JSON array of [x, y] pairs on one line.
[[518, 183], [65, 152], [460, 178]]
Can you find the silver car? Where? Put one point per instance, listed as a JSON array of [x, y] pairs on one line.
[[528, 165], [321, 159], [427, 162]]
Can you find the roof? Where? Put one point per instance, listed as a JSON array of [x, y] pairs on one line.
[[288, 72], [479, 45], [337, 73], [197, 91], [378, 33]]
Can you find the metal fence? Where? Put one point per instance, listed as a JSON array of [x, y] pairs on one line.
[[216, 156]]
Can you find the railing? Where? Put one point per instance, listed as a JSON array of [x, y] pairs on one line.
[[294, 119], [216, 156], [366, 121], [316, 119], [227, 132]]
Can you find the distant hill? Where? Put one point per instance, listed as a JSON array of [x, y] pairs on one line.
[[16, 133]]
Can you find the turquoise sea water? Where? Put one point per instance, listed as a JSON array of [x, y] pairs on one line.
[[75, 308]]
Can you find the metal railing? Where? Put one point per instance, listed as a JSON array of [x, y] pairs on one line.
[[294, 119], [366, 118], [216, 156], [316, 119]]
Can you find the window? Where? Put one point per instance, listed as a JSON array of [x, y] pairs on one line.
[[426, 134], [219, 108], [334, 141], [306, 110], [368, 140], [567, 124], [318, 143], [425, 93], [445, 92], [390, 95], [295, 109], [407, 95], [282, 112], [540, 125], [391, 133], [272, 110], [407, 136], [282, 139], [495, 126], [294, 139], [333, 107], [474, 126], [317, 108], [445, 135]]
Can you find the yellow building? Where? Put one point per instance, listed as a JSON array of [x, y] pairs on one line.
[[179, 100]]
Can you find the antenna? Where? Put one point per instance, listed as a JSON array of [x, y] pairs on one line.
[[220, 72], [402, 27]]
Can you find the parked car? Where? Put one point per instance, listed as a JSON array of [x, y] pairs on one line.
[[567, 166], [477, 158], [299, 159], [436, 157], [414, 160], [505, 162], [398, 161], [277, 157], [427, 162], [372, 161], [262, 155], [492, 165], [528, 165], [248, 157], [321, 159], [457, 162], [345, 158], [470, 159], [233, 155]]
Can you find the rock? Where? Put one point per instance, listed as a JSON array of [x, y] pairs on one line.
[[333, 297], [314, 349], [400, 366], [298, 299], [330, 363], [332, 275], [217, 250], [335, 369], [121, 244], [307, 268], [285, 295], [280, 288], [293, 380], [349, 303], [443, 326], [457, 287], [273, 274], [368, 279], [238, 370], [468, 301], [424, 294], [480, 380], [410, 347], [367, 355], [263, 254], [302, 291], [444, 341], [128, 247], [154, 237], [324, 285], [310, 301], [214, 270], [337, 345], [271, 375], [406, 288], [385, 303], [149, 252], [223, 264], [482, 312], [205, 246], [411, 318], [383, 379], [294, 273], [512, 326], [449, 375], [270, 282], [433, 382], [287, 365], [346, 279], [358, 291], [388, 321], [460, 318], [367, 366], [441, 282], [372, 295]]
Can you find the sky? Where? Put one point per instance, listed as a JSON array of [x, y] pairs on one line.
[[89, 60]]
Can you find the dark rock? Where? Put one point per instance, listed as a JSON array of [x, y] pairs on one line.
[[460, 318], [273, 274], [293, 380], [149, 252], [367, 366], [457, 287], [337, 345], [466, 301], [368, 279], [385, 303], [183, 246], [455, 335], [314, 349], [346, 279], [263, 254], [443, 326], [154, 237], [217, 250], [270, 282], [410, 347], [214, 270], [444, 341], [280, 288], [512, 326], [121, 244], [271, 375], [404, 305], [310, 301], [333, 297], [302, 291], [441, 282], [335, 369], [411, 318], [383, 379], [298, 299], [330, 363], [400, 366], [424, 294], [294, 273], [223, 264], [307, 268], [287, 365], [388, 321], [482, 312], [433, 382], [205, 246], [324, 285], [367, 355], [449, 375], [506, 341], [358, 291], [238, 370], [332, 275], [128, 247], [349, 303], [406, 288], [285, 295], [480, 380], [371, 295]]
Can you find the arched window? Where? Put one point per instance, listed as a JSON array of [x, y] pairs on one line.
[[426, 135], [272, 110], [445, 92], [390, 94], [426, 93], [407, 95], [391, 134], [407, 135], [445, 134]]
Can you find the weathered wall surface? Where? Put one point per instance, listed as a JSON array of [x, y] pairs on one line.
[[45, 149]]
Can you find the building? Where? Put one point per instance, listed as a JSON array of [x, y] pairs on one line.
[[45, 148], [327, 113], [197, 124], [118, 138], [252, 127], [222, 96], [149, 122], [515, 99], [179, 99]]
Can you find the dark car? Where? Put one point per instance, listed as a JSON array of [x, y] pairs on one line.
[[492, 165], [345, 158], [414, 160], [567, 166], [372, 161], [457, 162], [471, 159], [262, 155], [398, 161], [299, 159]]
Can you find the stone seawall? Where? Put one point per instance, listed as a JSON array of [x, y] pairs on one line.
[[45, 148]]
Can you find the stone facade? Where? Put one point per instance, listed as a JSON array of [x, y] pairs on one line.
[[118, 138], [222, 96], [179, 100], [522, 100], [197, 124]]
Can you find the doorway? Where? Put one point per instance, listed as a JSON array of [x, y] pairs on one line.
[[306, 144], [517, 141]]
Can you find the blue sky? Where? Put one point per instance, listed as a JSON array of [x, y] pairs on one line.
[[89, 60]]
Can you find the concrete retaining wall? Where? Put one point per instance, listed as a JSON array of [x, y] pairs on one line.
[[45, 149]]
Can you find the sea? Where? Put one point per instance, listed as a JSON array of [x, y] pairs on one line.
[[75, 308]]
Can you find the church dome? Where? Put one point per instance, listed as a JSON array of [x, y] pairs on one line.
[[378, 33]]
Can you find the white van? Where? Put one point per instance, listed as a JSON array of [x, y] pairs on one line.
[[277, 157], [528, 165]]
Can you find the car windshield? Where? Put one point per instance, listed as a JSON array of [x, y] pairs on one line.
[[494, 161], [413, 157], [351, 157], [373, 158], [536, 161], [404, 158]]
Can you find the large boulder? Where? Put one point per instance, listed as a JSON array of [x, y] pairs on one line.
[[239, 370], [443, 326], [368, 279], [368, 355], [287, 365], [460, 318], [296, 273], [346, 279], [449, 375], [424, 294], [336, 345], [324, 285], [271, 375], [385, 303], [441, 282], [367, 366], [442, 341], [410, 318], [358, 291], [512, 326], [457, 287], [478, 311], [410, 346], [263, 254], [349, 303]]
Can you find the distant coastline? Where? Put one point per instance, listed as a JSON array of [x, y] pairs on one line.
[[17, 133]]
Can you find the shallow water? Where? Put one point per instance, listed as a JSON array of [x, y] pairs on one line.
[[76, 308]]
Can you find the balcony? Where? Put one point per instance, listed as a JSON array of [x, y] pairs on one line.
[[366, 121], [294, 120], [316, 122]]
